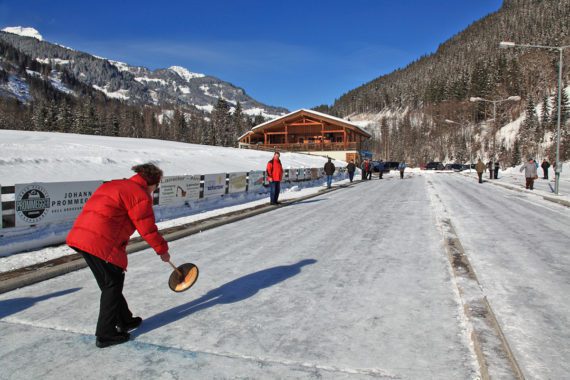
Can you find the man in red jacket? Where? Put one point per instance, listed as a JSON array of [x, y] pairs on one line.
[[274, 176], [101, 233]]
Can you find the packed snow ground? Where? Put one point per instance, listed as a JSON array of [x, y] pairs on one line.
[[57, 157], [352, 284], [73, 157]]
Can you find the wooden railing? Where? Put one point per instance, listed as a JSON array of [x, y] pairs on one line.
[[302, 147]]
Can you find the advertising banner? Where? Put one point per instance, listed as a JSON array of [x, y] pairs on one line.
[[315, 173], [214, 184], [238, 182], [292, 175], [255, 181], [40, 203], [1, 216], [301, 174], [179, 189]]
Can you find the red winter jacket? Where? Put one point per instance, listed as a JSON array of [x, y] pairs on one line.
[[110, 217], [274, 171]]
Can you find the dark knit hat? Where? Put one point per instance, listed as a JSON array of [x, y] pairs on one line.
[[150, 172]]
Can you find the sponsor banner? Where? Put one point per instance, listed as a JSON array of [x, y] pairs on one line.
[[214, 184], [238, 182], [1, 216], [292, 175], [40, 203], [255, 181], [314, 173], [179, 189], [301, 174]]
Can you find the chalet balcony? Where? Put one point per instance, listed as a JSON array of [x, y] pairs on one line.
[[303, 147]]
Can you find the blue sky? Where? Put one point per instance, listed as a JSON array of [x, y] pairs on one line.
[[295, 54]]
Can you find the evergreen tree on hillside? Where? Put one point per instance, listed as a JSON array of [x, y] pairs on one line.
[[516, 157], [221, 123], [527, 132]]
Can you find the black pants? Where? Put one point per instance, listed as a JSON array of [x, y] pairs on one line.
[[480, 175], [401, 174], [113, 308]]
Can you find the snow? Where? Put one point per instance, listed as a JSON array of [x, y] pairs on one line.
[[185, 74], [23, 31], [121, 66], [81, 157], [351, 284], [119, 94], [53, 61], [147, 79], [18, 87], [208, 108]]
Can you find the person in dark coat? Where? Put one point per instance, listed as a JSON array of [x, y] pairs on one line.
[[351, 168], [490, 168], [381, 166], [274, 172], [101, 233], [329, 171], [545, 165], [365, 169], [497, 167]]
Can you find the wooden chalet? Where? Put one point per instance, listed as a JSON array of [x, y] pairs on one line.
[[307, 131]]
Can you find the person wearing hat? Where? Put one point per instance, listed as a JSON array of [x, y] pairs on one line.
[[101, 233], [530, 173], [329, 171]]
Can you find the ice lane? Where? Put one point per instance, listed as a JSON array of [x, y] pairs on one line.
[[351, 284], [519, 246]]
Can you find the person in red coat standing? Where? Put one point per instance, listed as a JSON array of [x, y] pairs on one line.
[[101, 233], [274, 176]]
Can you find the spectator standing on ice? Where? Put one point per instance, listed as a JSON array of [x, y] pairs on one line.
[[529, 173], [351, 168], [101, 233], [545, 165], [381, 166], [274, 176], [401, 168], [365, 169], [497, 167], [480, 169], [329, 171]]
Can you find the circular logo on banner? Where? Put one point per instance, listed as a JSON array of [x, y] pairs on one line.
[[32, 203]]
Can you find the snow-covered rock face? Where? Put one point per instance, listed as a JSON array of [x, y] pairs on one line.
[[22, 31], [184, 73]]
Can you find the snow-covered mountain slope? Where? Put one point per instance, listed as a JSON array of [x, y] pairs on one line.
[[134, 84]]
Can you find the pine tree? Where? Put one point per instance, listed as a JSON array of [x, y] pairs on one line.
[[516, 158], [527, 132], [221, 123]]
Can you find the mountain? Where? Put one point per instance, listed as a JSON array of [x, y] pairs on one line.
[[174, 86], [407, 108]]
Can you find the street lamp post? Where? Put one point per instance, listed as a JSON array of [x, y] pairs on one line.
[[560, 49], [470, 140], [495, 102]]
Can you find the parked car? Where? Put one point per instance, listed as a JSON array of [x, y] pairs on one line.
[[376, 167], [434, 166], [455, 167], [391, 165]]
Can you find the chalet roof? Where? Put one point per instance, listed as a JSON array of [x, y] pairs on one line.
[[315, 114]]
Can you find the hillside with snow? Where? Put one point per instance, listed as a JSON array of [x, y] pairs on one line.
[[52, 157], [137, 85]]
